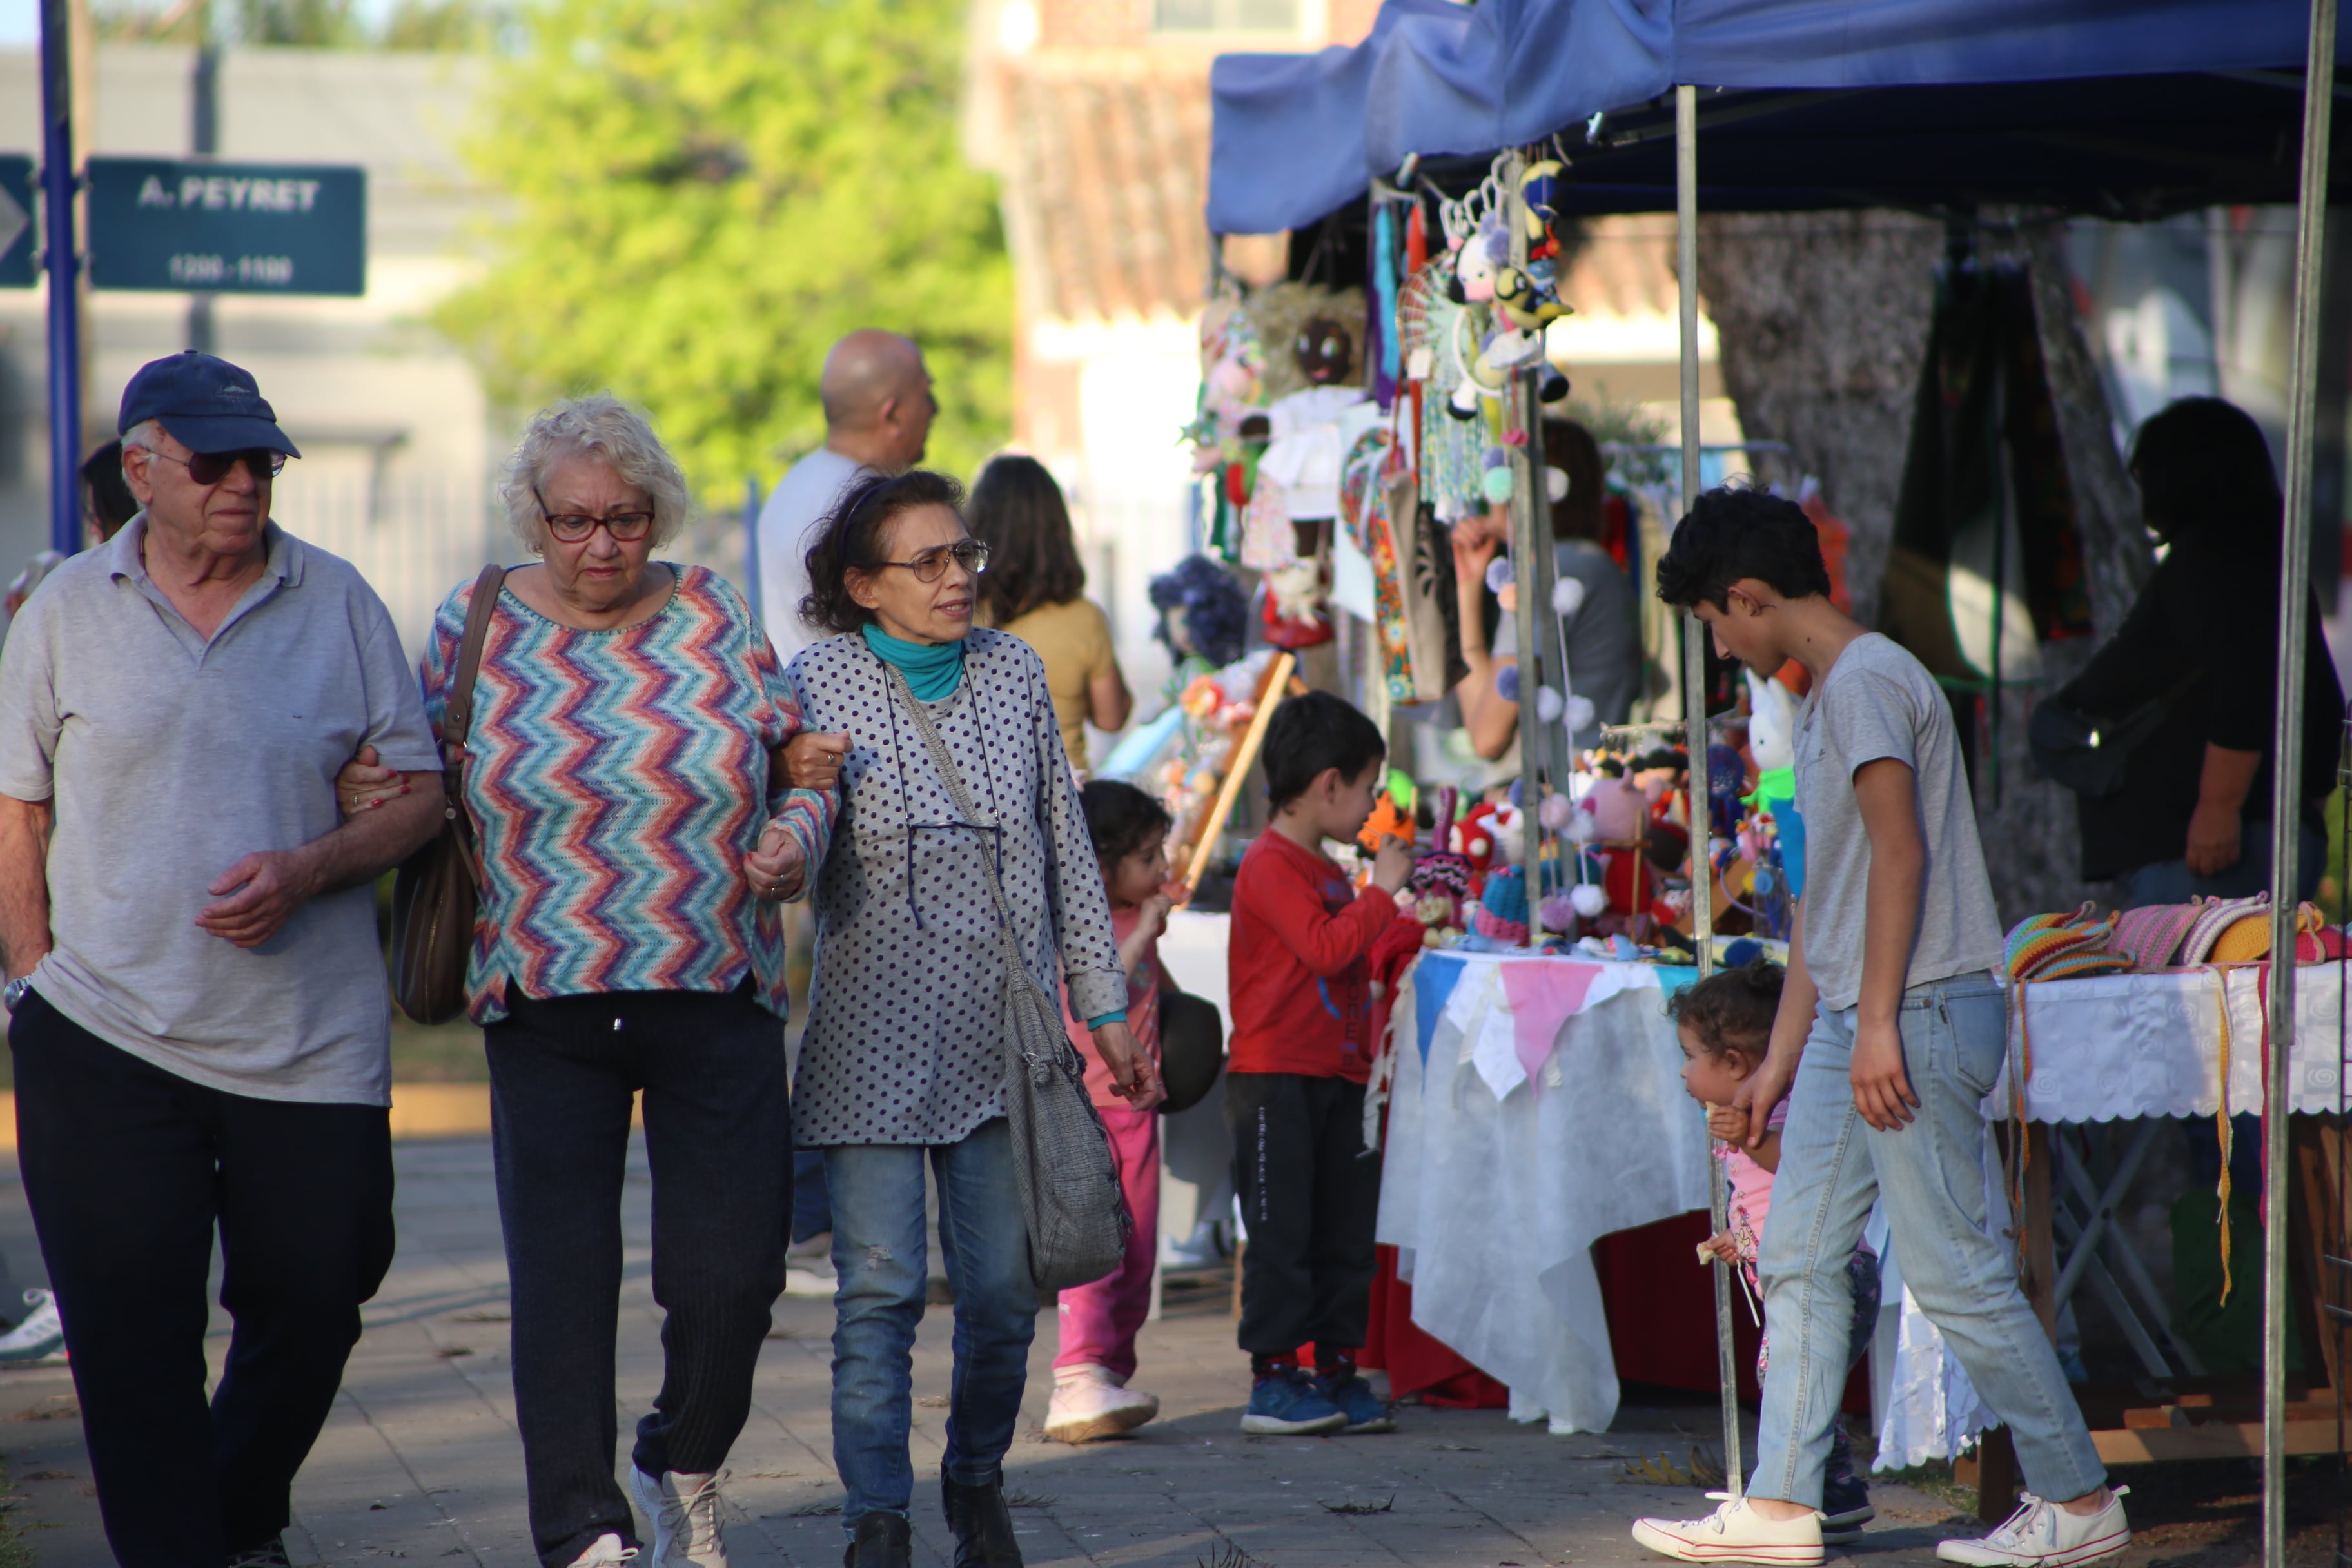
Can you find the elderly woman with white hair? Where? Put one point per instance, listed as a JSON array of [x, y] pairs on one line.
[[636, 835]]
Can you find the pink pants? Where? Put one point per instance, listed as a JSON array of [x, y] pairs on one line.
[[1098, 1321]]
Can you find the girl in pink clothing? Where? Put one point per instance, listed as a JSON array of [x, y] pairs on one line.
[[1724, 1023], [1099, 1321]]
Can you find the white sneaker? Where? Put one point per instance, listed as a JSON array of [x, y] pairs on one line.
[[1735, 1533], [2044, 1535], [40, 1337], [685, 1512], [1095, 1402], [604, 1552]]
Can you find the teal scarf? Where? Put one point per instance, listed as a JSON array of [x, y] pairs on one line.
[[933, 670]]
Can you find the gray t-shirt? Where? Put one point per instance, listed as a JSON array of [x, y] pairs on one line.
[[1878, 702], [1604, 641], [171, 759], [806, 494]]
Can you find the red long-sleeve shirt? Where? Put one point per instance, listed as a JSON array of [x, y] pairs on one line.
[[1297, 974]]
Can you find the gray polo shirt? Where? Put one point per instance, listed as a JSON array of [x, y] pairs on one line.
[[169, 759]]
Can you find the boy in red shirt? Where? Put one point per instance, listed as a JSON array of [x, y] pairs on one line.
[[1301, 1051]]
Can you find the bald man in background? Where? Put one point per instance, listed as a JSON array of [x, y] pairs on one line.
[[877, 413]]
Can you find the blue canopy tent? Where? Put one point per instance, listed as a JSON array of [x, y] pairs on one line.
[[2128, 107], [2132, 109]]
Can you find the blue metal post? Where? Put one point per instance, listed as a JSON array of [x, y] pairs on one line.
[[57, 183], [751, 547]]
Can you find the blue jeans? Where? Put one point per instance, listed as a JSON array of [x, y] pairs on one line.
[[2171, 883], [1931, 1175], [878, 1252]]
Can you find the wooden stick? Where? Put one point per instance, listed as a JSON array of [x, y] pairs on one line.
[[1270, 692]]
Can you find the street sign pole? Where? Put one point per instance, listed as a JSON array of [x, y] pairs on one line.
[[65, 296]]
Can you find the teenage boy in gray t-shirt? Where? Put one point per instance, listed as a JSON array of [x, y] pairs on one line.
[[1890, 1018]]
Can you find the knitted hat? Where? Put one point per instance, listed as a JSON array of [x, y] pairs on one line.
[[2063, 947], [2215, 916], [2248, 938], [1502, 909], [2149, 936]]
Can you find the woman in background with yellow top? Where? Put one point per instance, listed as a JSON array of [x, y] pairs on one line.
[[1036, 591]]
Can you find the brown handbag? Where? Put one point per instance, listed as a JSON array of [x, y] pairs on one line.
[[433, 895]]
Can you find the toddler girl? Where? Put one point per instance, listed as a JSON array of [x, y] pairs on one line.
[[1724, 1023], [1099, 1321]]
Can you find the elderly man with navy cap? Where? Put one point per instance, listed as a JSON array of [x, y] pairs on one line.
[[200, 1025]]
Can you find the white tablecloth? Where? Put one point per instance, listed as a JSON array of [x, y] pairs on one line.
[[1494, 1200], [2123, 1045]]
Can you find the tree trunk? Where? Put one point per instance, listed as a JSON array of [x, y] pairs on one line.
[[1821, 323]]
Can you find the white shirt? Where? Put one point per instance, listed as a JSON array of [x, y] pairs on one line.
[[800, 497]]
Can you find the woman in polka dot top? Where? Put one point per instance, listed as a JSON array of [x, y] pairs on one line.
[[904, 1054]]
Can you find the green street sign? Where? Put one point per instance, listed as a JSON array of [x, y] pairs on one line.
[[16, 270], [199, 226]]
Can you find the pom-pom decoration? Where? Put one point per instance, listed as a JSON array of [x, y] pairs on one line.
[[1588, 899], [1496, 485], [1500, 574], [1580, 827], [1580, 713], [1555, 812], [1556, 484], [1549, 705], [1506, 683], [1567, 596]]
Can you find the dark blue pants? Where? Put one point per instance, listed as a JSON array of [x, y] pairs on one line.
[[718, 1136], [129, 1169]]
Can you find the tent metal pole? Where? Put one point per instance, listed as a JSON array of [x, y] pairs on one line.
[[1528, 558], [2286, 756], [58, 185], [1695, 735]]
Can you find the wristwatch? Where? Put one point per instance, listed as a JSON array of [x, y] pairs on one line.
[[13, 995]]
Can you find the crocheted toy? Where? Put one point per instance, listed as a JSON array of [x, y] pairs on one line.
[[1202, 611], [1501, 914], [1387, 821], [1439, 868]]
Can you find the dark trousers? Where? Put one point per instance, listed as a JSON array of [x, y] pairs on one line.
[[1309, 1195], [718, 1138], [129, 1169]]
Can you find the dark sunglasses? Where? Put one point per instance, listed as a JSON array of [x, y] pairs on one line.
[[211, 468], [932, 564]]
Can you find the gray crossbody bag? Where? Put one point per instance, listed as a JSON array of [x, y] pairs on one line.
[[1061, 1166]]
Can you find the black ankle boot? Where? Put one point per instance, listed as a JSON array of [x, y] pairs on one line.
[[882, 1542], [981, 1523]]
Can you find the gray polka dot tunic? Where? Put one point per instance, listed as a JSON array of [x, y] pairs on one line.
[[905, 1041]]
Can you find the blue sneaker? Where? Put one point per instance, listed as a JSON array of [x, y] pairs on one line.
[[1366, 1411], [1287, 1404]]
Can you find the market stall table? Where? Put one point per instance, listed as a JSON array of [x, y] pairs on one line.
[[1537, 1106], [2147, 1047]]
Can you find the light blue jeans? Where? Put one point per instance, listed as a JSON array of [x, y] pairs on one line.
[[1931, 1175], [878, 1252]]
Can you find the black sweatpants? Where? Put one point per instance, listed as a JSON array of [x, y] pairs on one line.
[[127, 1169], [1309, 1195], [719, 1139]]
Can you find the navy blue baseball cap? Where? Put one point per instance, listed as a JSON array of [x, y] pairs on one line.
[[208, 404]]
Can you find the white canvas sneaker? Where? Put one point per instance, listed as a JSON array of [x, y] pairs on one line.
[[2044, 1535], [685, 1512], [604, 1552], [40, 1337], [1095, 1402], [1735, 1533]]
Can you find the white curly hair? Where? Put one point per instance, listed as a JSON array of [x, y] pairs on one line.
[[601, 423]]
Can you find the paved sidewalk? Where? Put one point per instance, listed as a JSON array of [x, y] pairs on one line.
[[420, 1459]]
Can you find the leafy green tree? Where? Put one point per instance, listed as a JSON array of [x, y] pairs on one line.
[[707, 193]]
